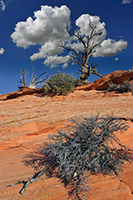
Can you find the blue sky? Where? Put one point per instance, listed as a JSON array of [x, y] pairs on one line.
[[18, 50]]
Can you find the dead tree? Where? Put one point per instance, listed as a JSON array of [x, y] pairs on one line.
[[34, 81], [23, 78], [82, 57]]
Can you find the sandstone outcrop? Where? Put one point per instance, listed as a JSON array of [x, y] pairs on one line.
[[21, 92], [116, 77]]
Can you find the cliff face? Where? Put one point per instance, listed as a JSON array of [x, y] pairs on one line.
[[25, 123]]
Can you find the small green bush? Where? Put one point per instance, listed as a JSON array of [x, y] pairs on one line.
[[88, 147], [60, 83], [125, 87]]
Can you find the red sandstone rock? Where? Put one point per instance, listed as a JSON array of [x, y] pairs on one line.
[[26, 122], [117, 77], [21, 92]]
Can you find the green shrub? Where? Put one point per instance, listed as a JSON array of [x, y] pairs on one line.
[[88, 147], [125, 87], [60, 83]]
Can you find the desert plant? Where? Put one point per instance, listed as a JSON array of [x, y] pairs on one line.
[[59, 83], [22, 80], [89, 146], [113, 87], [126, 87], [34, 82]]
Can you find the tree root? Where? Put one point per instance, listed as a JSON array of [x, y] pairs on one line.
[[27, 183]]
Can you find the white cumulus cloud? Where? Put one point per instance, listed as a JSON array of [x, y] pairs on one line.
[[2, 51], [54, 60], [50, 48], [126, 1], [47, 25], [109, 47], [83, 23], [48, 28]]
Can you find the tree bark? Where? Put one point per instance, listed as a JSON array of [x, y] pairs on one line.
[[86, 71]]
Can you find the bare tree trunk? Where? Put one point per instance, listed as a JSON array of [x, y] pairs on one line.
[[82, 57], [86, 71], [84, 74]]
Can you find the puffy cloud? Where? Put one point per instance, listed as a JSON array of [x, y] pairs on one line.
[[48, 29], [78, 46], [50, 48], [126, 1], [55, 60], [84, 21], [48, 25], [2, 51], [109, 47]]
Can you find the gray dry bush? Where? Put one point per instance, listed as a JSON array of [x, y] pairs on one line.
[[113, 87], [125, 87], [88, 147]]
